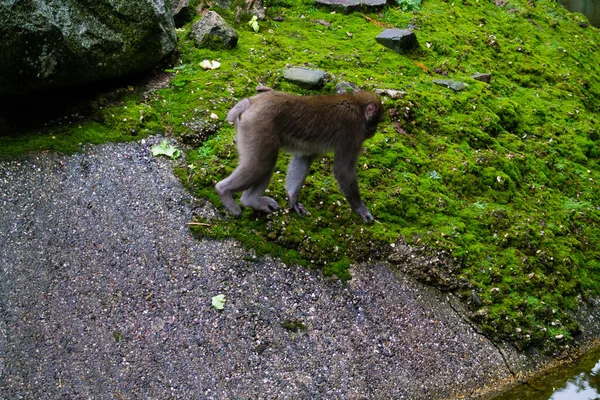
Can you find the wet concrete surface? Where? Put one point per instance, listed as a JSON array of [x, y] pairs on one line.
[[105, 294]]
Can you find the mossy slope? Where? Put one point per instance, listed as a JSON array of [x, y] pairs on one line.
[[502, 176]]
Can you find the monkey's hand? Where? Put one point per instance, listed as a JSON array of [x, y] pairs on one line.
[[364, 213], [299, 208]]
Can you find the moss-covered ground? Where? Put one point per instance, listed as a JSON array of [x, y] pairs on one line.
[[504, 177]]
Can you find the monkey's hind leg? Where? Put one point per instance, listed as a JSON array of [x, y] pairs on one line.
[[252, 197], [252, 176], [296, 175]]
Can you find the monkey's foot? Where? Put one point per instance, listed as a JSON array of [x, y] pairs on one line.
[[267, 205], [364, 213], [368, 217], [233, 207], [299, 208]]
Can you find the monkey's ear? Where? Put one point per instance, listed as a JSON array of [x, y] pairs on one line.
[[371, 109]]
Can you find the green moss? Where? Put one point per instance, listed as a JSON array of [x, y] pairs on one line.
[[293, 325], [503, 177], [66, 139], [117, 115]]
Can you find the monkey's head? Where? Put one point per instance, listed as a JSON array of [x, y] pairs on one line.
[[373, 111]]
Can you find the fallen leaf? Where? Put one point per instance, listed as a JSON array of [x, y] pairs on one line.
[[165, 149], [374, 21], [218, 301], [422, 66], [253, 23], [206, 64]]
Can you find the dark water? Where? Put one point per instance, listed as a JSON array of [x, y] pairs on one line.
[[589, 8], [579, 381]]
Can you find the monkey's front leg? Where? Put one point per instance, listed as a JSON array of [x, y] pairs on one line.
[[344, 170], [296, 175]]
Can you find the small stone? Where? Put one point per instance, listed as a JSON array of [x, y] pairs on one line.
[[322, 22], [304, 77], [399, 40], [450, 84], [475, 299], [440, 71], [391, 93], [481, 313], [482, 77]]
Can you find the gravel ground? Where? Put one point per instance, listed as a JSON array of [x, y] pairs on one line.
[[106, 295]]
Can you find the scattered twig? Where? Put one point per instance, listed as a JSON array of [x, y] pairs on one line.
[[197, 224]]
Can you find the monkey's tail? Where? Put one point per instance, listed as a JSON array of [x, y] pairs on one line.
[[235, 113]]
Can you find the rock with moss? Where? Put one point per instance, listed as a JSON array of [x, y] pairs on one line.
[[346, 87], [254, 7], [200, 129], [60, 42], [213, 32]]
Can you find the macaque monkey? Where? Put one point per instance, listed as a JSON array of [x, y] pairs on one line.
[[307, 127]]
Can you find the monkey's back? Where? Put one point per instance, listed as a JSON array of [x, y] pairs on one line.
[[306, 124]]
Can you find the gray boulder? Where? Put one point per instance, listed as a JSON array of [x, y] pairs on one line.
[[306, 78], [56, 43], [399, 40], [212, 31]]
